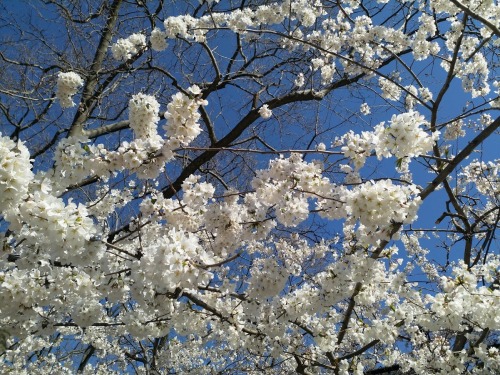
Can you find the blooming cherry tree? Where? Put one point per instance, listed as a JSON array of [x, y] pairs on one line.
[[236, 187]]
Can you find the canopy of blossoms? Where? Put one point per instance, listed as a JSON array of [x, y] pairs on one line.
[[368, 249]]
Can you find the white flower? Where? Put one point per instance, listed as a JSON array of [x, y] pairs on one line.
[[157, 39], [265, 112], [365, 109], [403, 138], [425, 94], [299, 81], [268, 279], [124, 49], [15, 172], [75, 159], [195, 90], [182, 118], [357, 147], [378, 204], [454, 130], [411, 97], [171, 261], [60, 231], [484, 175], [143, 115], [67, 86], [389, 89]]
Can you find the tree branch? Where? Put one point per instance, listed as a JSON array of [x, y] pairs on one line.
[[93, 73]]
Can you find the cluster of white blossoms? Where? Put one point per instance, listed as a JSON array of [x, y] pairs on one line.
[[225, 221], [454, 130], [130, 155], [357, 147], [75, 159], [178, 26], [125, 48], [15, 172], [239, 20], [143, 116], [421, 46], [365, 109], [148, 152], [472, 66], [175, 260], [300, 80], [474, 75], [106, 199], [466, 289], [265, 112], [390, 90], [268, 279], [411, 97], [484, 175], [182, 116], [21, 286], [378, 204], [370, 43], [158, 39], [287, 184], [60, 229], [404, 137], [196, 194], [67, 86], [227, 224]]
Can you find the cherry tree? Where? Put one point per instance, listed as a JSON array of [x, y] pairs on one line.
[[250, 187]]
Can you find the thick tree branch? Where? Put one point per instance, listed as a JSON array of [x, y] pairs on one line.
[[92, 75]]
